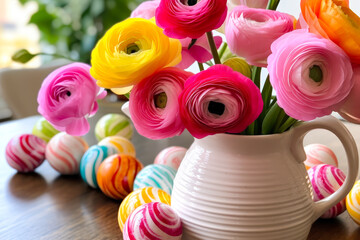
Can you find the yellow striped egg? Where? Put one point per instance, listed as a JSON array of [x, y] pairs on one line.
[[353, 202], [121, 144]]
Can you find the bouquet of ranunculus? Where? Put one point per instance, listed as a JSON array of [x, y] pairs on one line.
[[313, 66]]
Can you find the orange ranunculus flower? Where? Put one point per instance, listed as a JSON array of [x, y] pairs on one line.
[[333, 19]]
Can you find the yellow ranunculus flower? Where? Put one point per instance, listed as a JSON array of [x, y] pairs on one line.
[[131, 51]]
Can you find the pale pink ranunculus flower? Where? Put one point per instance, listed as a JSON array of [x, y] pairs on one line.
[[68, 96], [250, 32], [249, 3], [145, 9], [311, 75], [153, 103]]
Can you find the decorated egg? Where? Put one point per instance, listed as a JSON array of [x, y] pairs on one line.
[[319, 154], [153, 220], [91, 160], [156, 175], [44, 130], [116, 175], [353, 202], [113, 124], [325, 180], [25, 152], [64, 153], [171, 156], [138, 198], [121, 144]]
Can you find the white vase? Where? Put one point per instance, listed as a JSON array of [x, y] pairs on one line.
[[254, 187]]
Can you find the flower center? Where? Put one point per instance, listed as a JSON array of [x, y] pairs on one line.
[[315, 73], [160, 100], [189, 2], [216, 108], [68, 93], [132, 48]]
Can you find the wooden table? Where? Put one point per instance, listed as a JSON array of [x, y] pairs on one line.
[[46, 205]]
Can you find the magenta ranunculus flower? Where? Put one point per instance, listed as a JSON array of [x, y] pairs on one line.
[[311, 75], [67, 96], [250, 32], [190, 18], [219, 100], [145, 10], [153, 104]]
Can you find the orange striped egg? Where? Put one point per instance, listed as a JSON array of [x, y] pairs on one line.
[[116, 175], [121, 144], [138, 198], [353, 202], [64, 153], [317, 154]]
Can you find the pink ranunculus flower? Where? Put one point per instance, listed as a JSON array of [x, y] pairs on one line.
[[153, 104], [145, 10], [351, 108], [219, 100], [200, 51], [311, 75], [67, 96], [190, 18], [250, 3], [250, 32]]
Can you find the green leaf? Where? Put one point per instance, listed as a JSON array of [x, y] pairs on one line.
[[270, 119]]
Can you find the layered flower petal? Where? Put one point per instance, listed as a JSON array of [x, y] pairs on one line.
[[219, 100], [67, 96], [250, 32], [250, 3], [130, 51], [334, 19], [311, 75], [190, 18], [145, 9], [154, 107]]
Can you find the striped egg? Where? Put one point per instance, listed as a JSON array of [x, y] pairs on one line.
[[25, 152], [113, 124], [319, 154], [138, 198], [121, 144], [44, 130], [353, 202], [90, 163], [171, 156], [64, 153], [153, 220], [116, 175], [156, 175], [327, 179]]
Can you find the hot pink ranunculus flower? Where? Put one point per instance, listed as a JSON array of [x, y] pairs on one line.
[[153, 104], [190, 18], [311, 75], [67, 96], [250, 32], [219, 100], [145, 9]]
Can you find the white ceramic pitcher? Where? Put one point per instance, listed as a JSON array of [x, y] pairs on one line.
[[254, 187]]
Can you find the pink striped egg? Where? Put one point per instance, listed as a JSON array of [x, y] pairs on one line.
[[153, 220], [319, 154], [64, 153], [325, 180], [25, 152], [171, 156]]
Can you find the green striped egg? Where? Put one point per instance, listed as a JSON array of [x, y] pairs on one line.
[[44, 130], [113, 124], [156, 175]]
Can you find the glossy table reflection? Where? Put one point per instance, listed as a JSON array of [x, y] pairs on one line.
[[46, 205]]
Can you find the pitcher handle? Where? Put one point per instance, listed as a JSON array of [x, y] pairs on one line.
[[335, 126]]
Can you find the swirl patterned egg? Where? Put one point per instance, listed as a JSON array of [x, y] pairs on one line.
[[113, 124], [353, 202], [171, 156], [90, 163], [116, 175], [64, 153], [121, 144], [138, 198], [44, 130], [25, 152], [327, 179], [156, 175], [153, 220], [319, 154]]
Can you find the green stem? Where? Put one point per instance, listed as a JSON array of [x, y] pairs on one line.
[[280, 119], [223, 49], [287, 124], [54, 55], [256, 73], [201, 66], [273, 4], [209, 63], [213, 47]]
